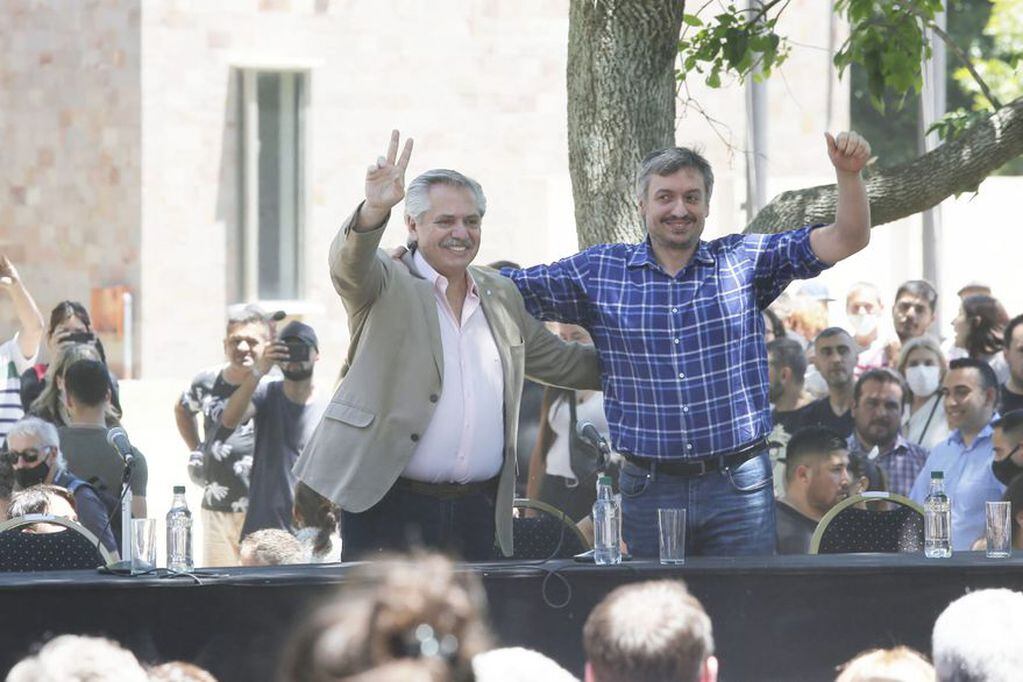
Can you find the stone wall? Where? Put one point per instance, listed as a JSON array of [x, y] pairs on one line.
[[70, 146]]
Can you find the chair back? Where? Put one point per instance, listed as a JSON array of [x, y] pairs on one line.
[[76, 547], [845, 529], [547, 534]]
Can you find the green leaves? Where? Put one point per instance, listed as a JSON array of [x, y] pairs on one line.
[[737, 41], [954, 123], [887, 38]]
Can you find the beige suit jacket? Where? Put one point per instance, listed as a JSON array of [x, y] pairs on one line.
[[391, 379]]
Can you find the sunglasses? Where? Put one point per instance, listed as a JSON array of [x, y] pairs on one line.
[[29, 455]]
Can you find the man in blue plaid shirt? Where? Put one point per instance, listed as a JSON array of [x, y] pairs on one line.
[[678, 325]]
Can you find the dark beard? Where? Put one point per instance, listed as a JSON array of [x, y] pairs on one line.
[[297, 374]]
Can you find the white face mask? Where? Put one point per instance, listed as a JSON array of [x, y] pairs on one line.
[[863, 324], [923, 379]]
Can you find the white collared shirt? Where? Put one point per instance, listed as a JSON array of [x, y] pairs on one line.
[[464, 441]]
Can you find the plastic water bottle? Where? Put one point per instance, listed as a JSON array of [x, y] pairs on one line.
[[607, 525], [937, 519], [179, 533]]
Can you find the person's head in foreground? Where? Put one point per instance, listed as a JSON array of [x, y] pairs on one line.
[[179, 671], [73, 658], [270, 547], [977, 638], [652, 631], [900, 664], [416, 609]]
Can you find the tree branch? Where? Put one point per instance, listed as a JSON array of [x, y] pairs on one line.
[[952, 168], [947, 39]]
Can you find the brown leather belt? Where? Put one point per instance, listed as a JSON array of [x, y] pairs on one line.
[[703, 466], [448, 491]]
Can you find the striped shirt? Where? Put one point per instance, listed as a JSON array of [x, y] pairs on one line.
[[12, 365], [902, 464], [684, 361]]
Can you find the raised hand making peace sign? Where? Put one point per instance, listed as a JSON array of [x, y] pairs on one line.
[[385, 183]]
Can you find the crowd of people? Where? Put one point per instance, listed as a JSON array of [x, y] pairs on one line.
[[416, 617], [856, 410], [56, 416]]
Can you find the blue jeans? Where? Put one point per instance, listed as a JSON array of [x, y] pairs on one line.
[[405, 520], [728, 512]]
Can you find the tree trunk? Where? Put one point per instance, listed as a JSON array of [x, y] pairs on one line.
[[621, 105], [952, 168]]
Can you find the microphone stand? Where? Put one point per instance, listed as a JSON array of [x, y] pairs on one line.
[[124, 566]]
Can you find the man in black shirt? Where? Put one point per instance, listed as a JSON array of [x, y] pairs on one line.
[[223, 466], [286, 412], [835, 355], [816, 479], [1012, 389]]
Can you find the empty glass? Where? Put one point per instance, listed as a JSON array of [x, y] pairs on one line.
[[143, 545], [999, 530], [672, 526]]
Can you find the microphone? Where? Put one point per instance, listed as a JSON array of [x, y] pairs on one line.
[[118, 440], [589, 433]]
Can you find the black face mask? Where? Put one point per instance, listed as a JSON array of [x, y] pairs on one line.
[[297, 374], [1005, 469], [26, 478]]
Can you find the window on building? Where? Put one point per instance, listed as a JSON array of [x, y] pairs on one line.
[[272, 184]]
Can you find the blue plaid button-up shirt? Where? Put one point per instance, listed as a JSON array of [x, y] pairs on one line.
[[901, 464], [684, 361]]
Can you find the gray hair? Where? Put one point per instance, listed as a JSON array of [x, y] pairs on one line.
[[238, 315], [34, 427], [671, 160], [76, 657], [976, 638], [42, 431], [417, 196]]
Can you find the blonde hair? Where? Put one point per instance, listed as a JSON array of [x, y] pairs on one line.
[[49, 405], [926, 342], [901, 663]]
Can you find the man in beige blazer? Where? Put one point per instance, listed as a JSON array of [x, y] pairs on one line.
[[418, 443]]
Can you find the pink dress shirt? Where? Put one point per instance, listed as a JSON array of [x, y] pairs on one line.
[[464, 441]]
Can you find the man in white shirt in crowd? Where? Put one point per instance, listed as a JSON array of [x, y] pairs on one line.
[[864, 311]]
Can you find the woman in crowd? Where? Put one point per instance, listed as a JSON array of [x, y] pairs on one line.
[[51, 405], [551, 477], [978, 333], [416, 608], [923, 365], [316, 519], [69, 324]]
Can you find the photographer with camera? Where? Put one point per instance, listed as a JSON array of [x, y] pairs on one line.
[[285, 413], [70, 325], [19, 352]]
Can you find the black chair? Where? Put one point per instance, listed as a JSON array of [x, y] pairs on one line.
[[75, 547], [846, 529], [547, 534]]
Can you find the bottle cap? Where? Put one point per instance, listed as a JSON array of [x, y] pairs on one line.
[[179, 490], [604, 480], [937, 475]]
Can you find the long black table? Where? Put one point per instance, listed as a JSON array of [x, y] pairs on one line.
[[775, 618]]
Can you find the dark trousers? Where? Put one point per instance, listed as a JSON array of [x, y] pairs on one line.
[[405, 519]]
